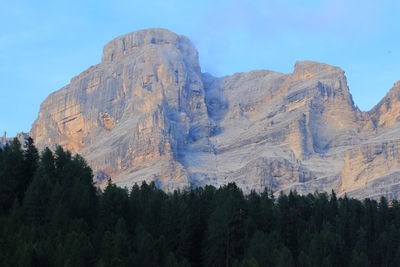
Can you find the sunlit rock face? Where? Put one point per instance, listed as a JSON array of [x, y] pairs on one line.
[[133, 113], [146, 112]]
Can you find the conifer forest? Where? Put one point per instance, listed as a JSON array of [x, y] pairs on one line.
[[52, 214]]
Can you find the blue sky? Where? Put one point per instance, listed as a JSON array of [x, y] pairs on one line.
[[43, 44]]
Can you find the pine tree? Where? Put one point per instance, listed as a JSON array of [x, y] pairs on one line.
[[146, 249], [31, 159], [122, 244], [225, 233], [12, 175], [36, 199]]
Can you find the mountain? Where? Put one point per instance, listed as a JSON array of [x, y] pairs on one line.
[[147, 112], [22, 138]]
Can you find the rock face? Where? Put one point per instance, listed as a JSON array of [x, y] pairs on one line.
[[146, 112]]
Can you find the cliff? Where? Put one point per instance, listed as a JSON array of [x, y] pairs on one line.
[[146, 112]]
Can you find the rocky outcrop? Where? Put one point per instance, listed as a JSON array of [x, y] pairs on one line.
[[146, 112], [21, 137], [131, 115], [386, 113]]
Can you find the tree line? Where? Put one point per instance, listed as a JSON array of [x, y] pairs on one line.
[[52, 214]]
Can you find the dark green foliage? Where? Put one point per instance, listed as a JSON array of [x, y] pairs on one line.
[[52, 214], [17, 168]]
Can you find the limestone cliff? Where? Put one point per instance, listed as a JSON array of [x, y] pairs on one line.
[[146, 112]]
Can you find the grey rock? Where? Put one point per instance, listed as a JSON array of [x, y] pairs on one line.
[[146, 112], [21, 137]]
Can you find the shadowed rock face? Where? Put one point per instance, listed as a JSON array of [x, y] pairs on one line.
[[146, 112]]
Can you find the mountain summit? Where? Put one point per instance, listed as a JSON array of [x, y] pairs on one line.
[[147, 112]]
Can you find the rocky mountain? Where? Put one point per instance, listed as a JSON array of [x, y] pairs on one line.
[[3, 140], [147, 112], [22, 137]]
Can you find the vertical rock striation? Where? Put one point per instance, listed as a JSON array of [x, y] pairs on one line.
[[131, 114]]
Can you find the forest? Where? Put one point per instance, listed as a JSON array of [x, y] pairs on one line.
[[52, 214]]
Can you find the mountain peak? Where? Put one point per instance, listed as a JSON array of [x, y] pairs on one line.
[[124, 44], [311, 68]]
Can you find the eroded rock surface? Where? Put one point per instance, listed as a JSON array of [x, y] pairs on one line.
[[146, 112]]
